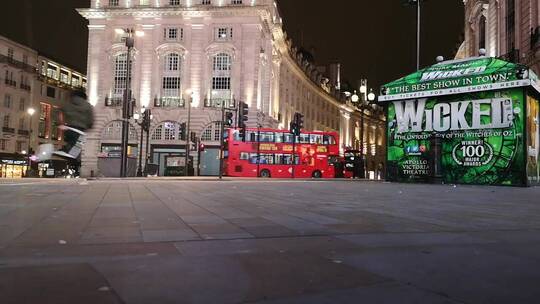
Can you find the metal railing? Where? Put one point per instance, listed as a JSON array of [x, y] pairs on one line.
[[10, 82], [113, 101], [220, 102], [169, 102], [25, 87], [18, 64], [8, 130]]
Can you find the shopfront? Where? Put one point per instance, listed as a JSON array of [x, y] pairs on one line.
[[473, 121], [13, 165]]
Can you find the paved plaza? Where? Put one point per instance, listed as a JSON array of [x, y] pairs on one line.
[[271, 241]]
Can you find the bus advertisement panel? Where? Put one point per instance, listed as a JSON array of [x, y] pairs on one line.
[[269, 153]]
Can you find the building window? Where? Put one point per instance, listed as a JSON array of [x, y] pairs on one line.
[[174, 2], [482, 32], [44, 119], [114, 2], [223, 33], [64, 76], [171, 80], [157, 133], [171, 130], [212, 132], [120, 75], [7, 101], [114, 131], [3, 144], [20, 146], [22, 104], [173, 34], [10, 53], [52, 71], [7, 121], [236, 2], [145, 2], [51, 92], [221, 83], [56, 121], [221, 73], [206, 2], [21, 123], [511, 25]]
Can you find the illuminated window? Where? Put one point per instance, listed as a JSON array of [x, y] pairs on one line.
[[157, 133], [212, 132], [44, 120], [221, 80], [114, 2], [120, 75]]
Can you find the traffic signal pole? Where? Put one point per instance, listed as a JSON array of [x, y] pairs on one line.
[[221, 140]]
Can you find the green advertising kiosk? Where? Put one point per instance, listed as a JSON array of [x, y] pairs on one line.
[[470, 121]]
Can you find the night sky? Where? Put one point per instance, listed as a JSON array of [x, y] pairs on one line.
[[373, 39]]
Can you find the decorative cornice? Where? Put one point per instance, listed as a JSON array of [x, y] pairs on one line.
[[185, 12]]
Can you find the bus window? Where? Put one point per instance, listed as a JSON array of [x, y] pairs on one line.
[[236, 135], [267, 136], [329, 140], [316, 139], [244, 156], [251, 136], [278, 137], [303, 139], [267, 159], [288, 138]]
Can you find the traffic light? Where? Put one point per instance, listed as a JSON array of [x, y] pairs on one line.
[[201, 147], [229, 119], [183, 130], [297, 124], [243, 112]]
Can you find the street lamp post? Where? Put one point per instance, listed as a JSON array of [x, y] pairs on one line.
[[31, 112], [188, 134], [362, 105], [127, 106]]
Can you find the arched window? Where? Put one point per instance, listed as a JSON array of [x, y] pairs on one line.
[[113, 131], [212, 132], [167, 131], [171, 92], [482, 32]]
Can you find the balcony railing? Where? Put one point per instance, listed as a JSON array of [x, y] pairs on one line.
[[18, 64], [169, 102], [59, 83], [10, 82], [113, 101], [8, 130], [23, 132], [25, 87], [220, 102]]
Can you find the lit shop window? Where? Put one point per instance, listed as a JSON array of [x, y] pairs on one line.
[[44, 120]]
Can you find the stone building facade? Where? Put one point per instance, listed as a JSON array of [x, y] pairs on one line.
[[29, 80], [505, 28], [220, 51]]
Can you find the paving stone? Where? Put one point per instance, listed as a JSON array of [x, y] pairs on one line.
[[169, 235]]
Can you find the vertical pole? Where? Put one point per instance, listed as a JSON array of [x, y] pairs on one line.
[[258, 148], [29, 168], [293, 155], [188, 135], [139, 169], [147, 146], [125, 109], [363, 175], [221, 141], [418, 23]]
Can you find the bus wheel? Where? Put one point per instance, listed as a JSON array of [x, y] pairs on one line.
[[265, 173], [316, 174]]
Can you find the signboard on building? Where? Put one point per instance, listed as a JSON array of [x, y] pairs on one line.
[[486, 136]]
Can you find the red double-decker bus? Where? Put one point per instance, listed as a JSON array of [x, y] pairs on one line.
[[269, 153]]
